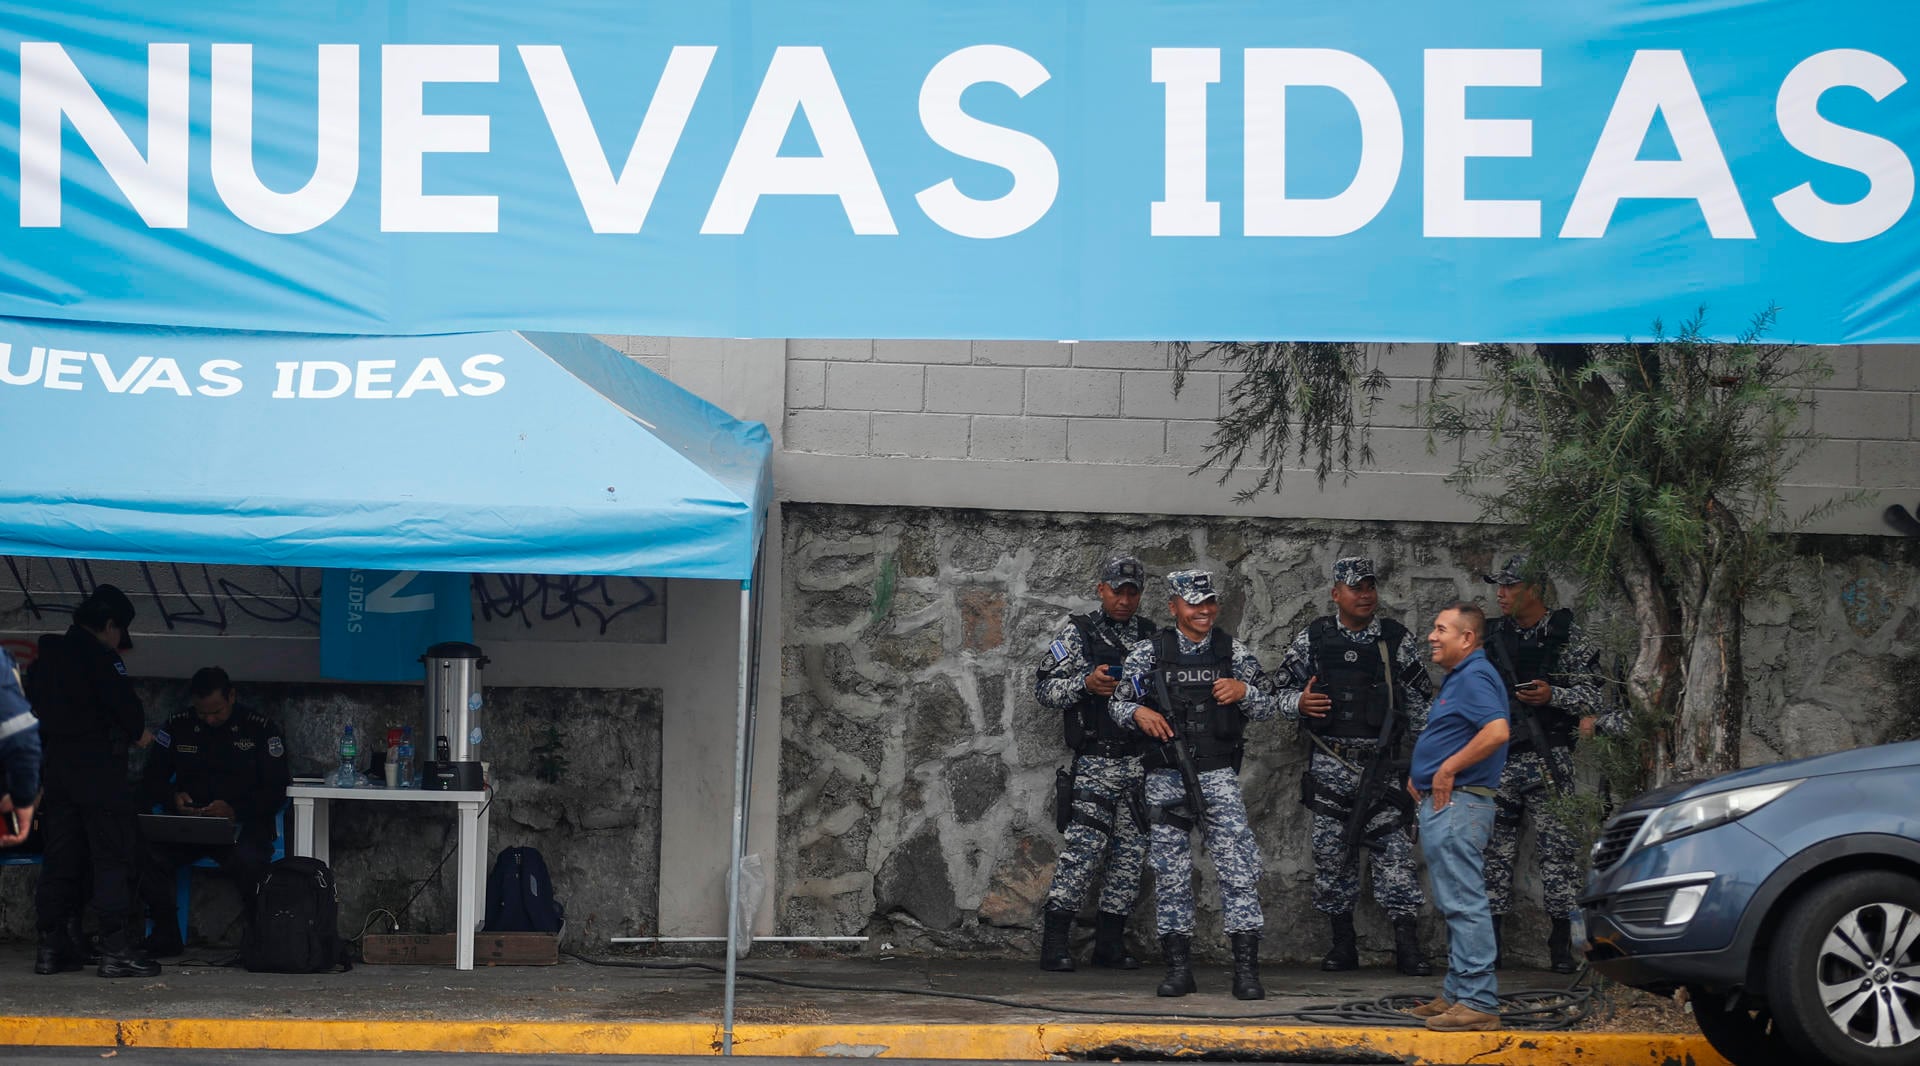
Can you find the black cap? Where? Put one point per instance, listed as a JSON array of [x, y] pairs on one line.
[[107, 604]]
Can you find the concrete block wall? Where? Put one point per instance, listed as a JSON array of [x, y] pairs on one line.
[[1077, 425], [1051, 425]]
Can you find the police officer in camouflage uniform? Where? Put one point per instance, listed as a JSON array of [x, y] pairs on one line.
[[1554, 674], [1192, 689], [1358, 685], [1077, 676]]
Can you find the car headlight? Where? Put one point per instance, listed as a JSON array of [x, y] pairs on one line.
[[1717, 808]]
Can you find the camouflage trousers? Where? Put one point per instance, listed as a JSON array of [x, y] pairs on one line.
[[1123, 853], [1336, 878], [1236, 858], [1525, 789]]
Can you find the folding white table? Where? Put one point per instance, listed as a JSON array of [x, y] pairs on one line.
[[312, 822]]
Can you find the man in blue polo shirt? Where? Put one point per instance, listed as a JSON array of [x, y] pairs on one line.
[[1456, 771]]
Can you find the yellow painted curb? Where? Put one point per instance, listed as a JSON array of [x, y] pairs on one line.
[[1028, 1042]]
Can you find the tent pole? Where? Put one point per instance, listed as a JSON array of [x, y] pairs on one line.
[[739, 815]]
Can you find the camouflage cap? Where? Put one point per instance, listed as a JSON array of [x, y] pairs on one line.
[[1515, 572], [1120, 570], [1352, 570], [1193, 586]]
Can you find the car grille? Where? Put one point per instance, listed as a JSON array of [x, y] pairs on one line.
[[1616, 838]]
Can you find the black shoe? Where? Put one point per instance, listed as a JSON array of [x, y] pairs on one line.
[[87, 945], [1178, 948], [132, 964], [164, 942], [1499, 943], [1056, 946], [1246, 967], [1407, 956], [55, 955], [1110, 943], [1560, 946], [1345, 953]]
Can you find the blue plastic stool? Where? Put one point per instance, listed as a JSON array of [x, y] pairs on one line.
[[183, 897]]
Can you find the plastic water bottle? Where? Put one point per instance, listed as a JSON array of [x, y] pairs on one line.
[[403, 754], [347, 776]]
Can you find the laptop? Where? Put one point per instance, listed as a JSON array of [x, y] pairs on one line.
[[189, 829]]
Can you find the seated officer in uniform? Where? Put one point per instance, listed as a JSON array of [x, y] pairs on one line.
[[217, 760]]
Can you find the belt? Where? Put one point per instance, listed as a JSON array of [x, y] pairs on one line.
[[1482, 791], [1111, 749]]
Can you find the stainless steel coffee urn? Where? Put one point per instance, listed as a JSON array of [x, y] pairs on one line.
[[453, 718]]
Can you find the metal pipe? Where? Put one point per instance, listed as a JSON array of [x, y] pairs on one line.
[[739, 813], [720, 939]]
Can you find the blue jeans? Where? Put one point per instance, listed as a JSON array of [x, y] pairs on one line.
[[1455, 843]]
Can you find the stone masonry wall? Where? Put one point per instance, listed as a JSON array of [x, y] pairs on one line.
[[917, 766], [598, 824]]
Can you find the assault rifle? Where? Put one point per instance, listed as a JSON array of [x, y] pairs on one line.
[[1189, 777], [1178, 750], [1379, 764], [1523, 715]]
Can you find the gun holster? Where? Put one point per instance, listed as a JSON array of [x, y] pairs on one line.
[[1062, 799]]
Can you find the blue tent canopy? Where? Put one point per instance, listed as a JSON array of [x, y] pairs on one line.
[[498, 452]]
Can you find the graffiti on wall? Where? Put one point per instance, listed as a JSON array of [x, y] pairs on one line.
[[1902, 520], [38, 595]]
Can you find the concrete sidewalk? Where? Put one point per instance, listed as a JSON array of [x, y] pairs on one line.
[[578, 1008]]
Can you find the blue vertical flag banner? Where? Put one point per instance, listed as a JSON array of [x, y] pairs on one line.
[[375, 624], [1034, 169]]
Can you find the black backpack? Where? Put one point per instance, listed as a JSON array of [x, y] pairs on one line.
[[520, 894], [295, 924]]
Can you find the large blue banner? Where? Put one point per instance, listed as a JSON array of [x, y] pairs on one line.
[[1046, 169], [375, 624]]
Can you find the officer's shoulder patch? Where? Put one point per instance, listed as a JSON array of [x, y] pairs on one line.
[[120, 667], [163, 738], [275, 748], [1058, 650]]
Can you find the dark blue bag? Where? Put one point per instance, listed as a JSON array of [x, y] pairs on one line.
[[520, 894]]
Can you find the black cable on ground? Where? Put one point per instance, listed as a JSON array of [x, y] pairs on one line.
[[1547, 1008]]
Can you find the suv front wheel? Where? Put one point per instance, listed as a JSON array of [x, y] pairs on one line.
[[1846, 980], [1743, 1037]]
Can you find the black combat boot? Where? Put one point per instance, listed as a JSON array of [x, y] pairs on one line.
[[1344, 954], [1056, 943], [1178, 948], [1110, 943], [1407, 956], [88, 944], [56, 954], [125, 960], [1499, 943], [1246, 967], [1560, 946]]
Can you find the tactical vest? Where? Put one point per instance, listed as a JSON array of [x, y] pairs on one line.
[[1183, 682], [1537, 657], [1352, 675], [1090, 728]]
